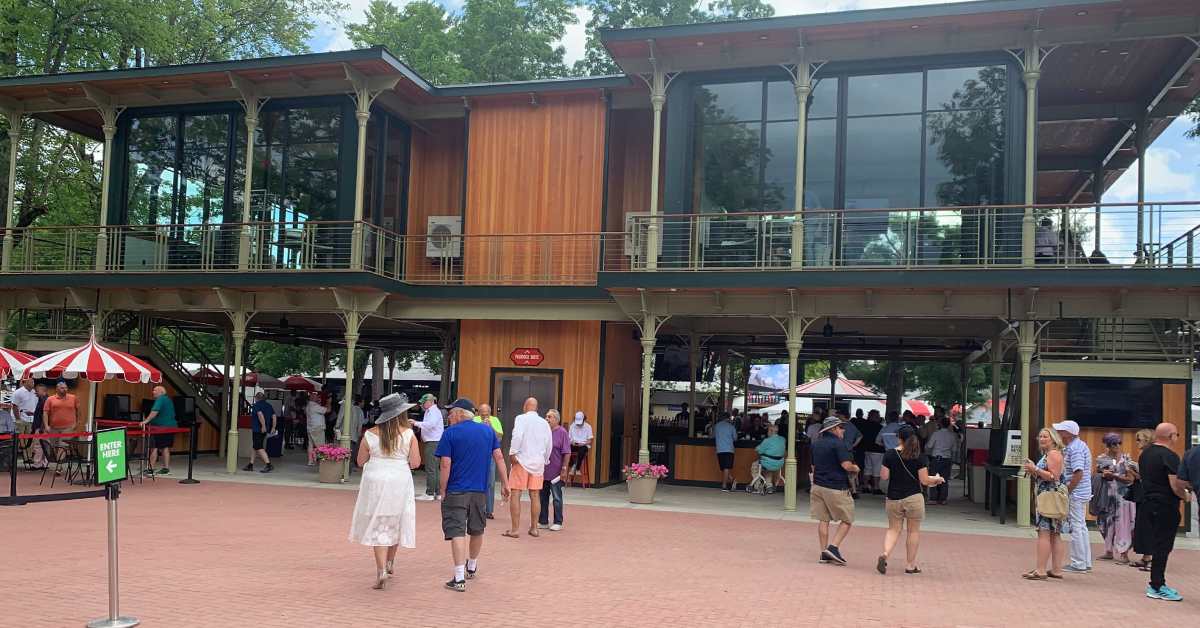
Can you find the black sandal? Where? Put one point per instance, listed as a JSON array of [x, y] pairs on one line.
[[913, 570], [881, 565]]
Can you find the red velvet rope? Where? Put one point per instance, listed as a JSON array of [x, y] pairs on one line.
[[148, 432]]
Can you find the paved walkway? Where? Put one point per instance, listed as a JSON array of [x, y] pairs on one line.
[[239, 554]]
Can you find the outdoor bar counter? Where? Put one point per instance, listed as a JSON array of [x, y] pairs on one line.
[[694, 461]]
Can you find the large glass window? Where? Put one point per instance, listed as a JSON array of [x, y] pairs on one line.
[[295, 175], [152, 170], [203, 168]]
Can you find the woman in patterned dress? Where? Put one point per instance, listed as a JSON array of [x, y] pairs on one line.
[[1049, 474], [1116, 523], [385, 513]]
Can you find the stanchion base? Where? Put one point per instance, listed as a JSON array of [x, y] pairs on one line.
[[120, 622], [189, 481]]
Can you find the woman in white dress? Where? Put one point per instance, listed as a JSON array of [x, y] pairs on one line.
[[385, 514]]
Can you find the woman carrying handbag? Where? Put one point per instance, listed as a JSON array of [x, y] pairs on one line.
[[1051, 520]]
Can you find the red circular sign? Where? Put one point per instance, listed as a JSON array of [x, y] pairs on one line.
[[526, 356]]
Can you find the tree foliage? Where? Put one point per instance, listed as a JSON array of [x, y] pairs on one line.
[[488, 41], [643, 13]]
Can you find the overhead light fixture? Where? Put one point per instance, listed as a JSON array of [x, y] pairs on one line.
[[699, 44], [1123, 53], [762, 37], [1104, 51], [1081, 13], [915, 26]]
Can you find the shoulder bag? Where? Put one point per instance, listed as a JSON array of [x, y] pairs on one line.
[[1053, 504]]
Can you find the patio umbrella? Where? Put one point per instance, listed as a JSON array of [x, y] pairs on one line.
[[11, 361], [93, 363], [918, 407], [300, 382], [208, 377], [261, 380]]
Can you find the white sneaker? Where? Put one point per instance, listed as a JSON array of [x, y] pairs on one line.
[[424, 498], [556, 527], [542, 526]]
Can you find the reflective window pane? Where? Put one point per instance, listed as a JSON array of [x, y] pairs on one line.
[[964, 159], [966, 88], [151, 172], [883, 171], [883, 94], [727, 168], [781, 100], [729, 102], [823, 101], [820, 167], [779, 167], [205, 148]]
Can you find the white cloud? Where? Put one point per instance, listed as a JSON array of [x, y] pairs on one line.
[[575, 39], [1170, 175]]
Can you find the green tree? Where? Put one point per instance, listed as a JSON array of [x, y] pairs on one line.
[[421, 34], [642, 13], [1193, 110]]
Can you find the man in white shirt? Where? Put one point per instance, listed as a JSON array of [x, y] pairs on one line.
[[942, 446], [581, 442], [25, 402], [530, 451], [315, 411], [431, 432]]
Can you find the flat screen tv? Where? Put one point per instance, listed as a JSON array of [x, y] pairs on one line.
[[1115, 402], [672, 364]]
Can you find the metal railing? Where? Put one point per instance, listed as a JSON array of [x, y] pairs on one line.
[[1145, 340], [917, 238], [982, 237]]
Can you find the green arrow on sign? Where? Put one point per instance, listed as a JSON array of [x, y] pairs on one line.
[[110, 455]]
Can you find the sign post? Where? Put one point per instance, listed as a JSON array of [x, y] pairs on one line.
[[110, 471]]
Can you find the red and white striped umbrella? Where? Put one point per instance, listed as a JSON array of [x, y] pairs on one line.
[[11, 361], [300, 382], [94, 363]]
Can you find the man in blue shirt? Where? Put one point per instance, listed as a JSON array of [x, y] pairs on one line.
[[887, 438], [724, 434], [830, 500], [465, 450], [1077, 466], [262, 426]]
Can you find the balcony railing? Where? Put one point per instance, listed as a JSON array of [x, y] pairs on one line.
[[1075, 236]]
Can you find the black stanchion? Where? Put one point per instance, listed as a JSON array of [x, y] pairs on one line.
[[191, 454], [12, 487]]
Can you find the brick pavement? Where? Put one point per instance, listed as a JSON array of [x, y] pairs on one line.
[[223, 554]]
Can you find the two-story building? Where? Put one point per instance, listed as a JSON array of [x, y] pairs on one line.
[[920, 183]]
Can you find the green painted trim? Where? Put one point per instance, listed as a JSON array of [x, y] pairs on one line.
[[597, 432], [838, 18], [903, 278]]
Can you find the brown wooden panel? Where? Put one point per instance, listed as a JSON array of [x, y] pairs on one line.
[[1055, 408], [207, 439], [698, 463], [572, 346], [622, 365], [435, 185], [1175, 411], [630, 134], [535, 169]]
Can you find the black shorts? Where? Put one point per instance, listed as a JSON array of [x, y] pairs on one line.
[[463, 514], [725, 460], [259, 439], [164, 441]]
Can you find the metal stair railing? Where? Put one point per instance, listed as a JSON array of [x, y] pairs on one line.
[[172, 353]]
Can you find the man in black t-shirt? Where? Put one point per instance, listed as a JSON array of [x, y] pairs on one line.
[[1159, 467], [872, 452]]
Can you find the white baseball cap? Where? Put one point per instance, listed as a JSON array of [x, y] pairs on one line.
[[1067, 426]]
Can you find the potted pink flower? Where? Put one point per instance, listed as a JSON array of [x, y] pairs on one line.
[[330, 459], [641, 479]]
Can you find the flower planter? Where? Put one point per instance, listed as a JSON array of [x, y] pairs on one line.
[[641, 490], [329, 471]]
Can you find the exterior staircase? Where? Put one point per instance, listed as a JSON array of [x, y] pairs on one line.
[[1117, 339]]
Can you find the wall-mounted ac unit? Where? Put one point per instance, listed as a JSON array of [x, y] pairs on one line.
[[443, 237], [636, 234]]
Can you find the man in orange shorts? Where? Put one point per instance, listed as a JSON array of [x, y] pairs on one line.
[[530, 451]]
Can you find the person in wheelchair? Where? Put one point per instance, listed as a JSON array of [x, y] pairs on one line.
[[771, 452]]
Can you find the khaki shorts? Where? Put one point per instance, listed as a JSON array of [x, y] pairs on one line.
[[826, 504], [911, 507], [521, 480], [316, 436]]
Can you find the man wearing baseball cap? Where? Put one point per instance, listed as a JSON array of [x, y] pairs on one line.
[[830, 499], [1077, 463], [431, 432], [465, 451]]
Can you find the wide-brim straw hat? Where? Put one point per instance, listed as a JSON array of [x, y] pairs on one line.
[[392, 406]]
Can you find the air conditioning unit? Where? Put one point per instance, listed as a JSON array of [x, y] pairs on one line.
[[443, 237], [636, 234]]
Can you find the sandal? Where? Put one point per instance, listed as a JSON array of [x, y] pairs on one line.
[[1033, 575], [1056, 576], [881, 565], [511, 535], [1139, 563], [533, 532], [913, 570]]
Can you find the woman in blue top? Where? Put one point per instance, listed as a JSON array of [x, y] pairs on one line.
[[770, 454], [1048, 473]]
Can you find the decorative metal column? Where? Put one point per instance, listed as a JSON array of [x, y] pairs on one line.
[[353, 320], [693, 359], [801, 74], [1098, 197], [1139, 140], [1026, 339], [648, 323], [366, 89], [240, 319], [1031, 59], [10, 206], [252, 103], [790, 468], [658, 83], [109, 112]]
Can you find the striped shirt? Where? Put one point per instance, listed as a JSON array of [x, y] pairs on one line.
[[1077, 457]]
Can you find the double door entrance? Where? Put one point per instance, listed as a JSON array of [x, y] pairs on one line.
[[510, 389]]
